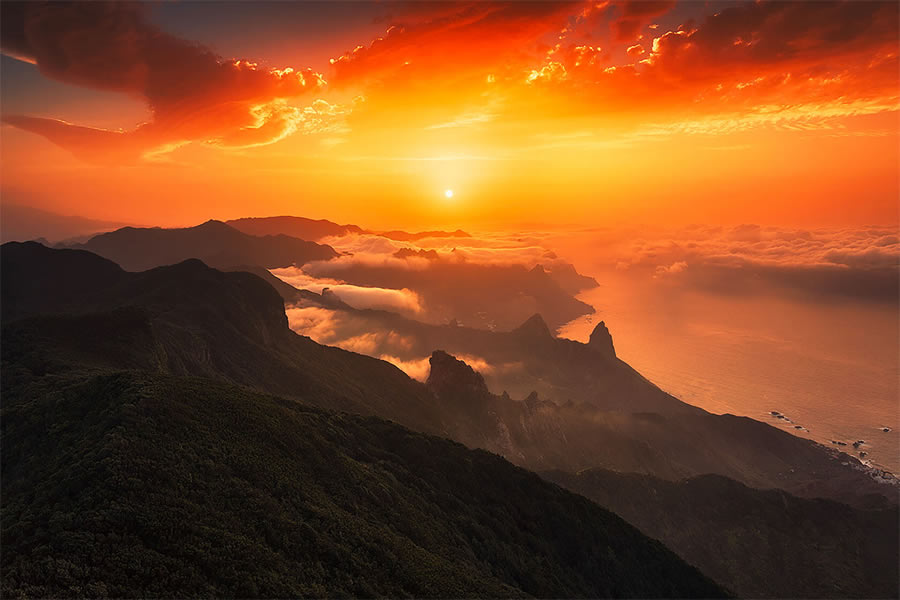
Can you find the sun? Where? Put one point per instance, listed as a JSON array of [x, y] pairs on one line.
[[448, 193]]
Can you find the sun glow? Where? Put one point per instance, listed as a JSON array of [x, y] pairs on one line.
[[387, 137]]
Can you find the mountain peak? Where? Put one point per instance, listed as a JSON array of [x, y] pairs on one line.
[[534, 328], [601, 340], [213, 224], [451, 377], [188, 265]]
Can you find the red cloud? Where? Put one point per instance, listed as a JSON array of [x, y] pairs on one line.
[[776, 54], [434, 38], [440, 64], [193, 94], [636, 14], [771, 35], [459, 58]]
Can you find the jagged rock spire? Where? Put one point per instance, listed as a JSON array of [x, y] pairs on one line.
[[602, 341], [535, 328]]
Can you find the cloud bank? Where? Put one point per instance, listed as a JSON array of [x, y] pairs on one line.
[[826, 264], [402, 301]]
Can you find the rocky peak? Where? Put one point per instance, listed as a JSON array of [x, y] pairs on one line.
[[601, 340], [452, 377], [532, 400], [535, 328], [214, 226]]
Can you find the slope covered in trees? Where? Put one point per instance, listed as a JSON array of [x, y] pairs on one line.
[[127, 483], [759, 543]]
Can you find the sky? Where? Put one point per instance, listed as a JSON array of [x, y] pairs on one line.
[[550, 113]]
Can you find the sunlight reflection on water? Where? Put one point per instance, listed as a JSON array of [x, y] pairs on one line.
[[830, 368]]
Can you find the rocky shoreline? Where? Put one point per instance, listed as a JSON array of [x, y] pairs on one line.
[[877, 473]]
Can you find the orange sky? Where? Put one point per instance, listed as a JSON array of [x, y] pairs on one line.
[[553, 113]]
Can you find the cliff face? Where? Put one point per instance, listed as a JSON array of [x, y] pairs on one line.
[[543, 433], [452, 378], [601, 340]]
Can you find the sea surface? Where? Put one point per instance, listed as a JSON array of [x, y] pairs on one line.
[[831, 368]]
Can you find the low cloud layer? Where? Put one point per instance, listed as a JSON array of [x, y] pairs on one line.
[[823, 265], [365, 336], [859, 263], [403, 301], [852, 268], [489, 281], [485, 248]]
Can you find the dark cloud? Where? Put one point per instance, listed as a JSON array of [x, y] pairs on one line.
[[635, 14], [770, 34], [478, 35], [752, 59], [193, 94]]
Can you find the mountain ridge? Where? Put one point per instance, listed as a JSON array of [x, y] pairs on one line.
[[317, 229], [217, 331], [168, 322], [214, 242]]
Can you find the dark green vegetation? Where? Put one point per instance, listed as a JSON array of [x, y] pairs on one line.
[[214, 242], [153, 350], [759, 543], [123, 478]]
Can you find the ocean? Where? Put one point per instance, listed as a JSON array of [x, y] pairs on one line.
[[830, 368]]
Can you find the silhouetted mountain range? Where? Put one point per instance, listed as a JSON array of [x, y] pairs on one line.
[[316, 229], [23, 223], [568, 278], [189, 319], [404, 236], [676, 442], [213, 242], [134, 375], [507, 294], [596, 411], [158, 482], [299, 227], [488, 296]]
